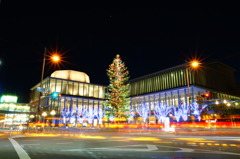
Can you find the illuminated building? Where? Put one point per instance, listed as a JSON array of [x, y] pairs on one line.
[[170, 87], [77, 95], [175, 87], [11, 112]]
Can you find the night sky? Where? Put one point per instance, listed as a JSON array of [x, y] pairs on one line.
[[147, 39]]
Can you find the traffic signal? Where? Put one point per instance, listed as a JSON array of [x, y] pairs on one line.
[[56, 94], [206, 94]]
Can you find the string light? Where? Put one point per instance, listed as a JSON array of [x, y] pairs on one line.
[[143, 111], [161, 111]]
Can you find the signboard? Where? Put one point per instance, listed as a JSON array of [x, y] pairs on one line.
[[41, 89], [8, 99]]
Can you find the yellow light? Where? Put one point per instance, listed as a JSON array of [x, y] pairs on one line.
[[145, 139], [53, 112], [55, 58], [92, 137], [44, 114], [233, 145], [195, 64]]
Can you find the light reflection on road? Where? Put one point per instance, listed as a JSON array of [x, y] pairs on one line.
[[133, 144]]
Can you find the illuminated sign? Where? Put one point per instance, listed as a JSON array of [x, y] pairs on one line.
[[8, 99]]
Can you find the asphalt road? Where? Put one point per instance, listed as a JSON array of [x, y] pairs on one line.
[[7, 150], [117, 146]]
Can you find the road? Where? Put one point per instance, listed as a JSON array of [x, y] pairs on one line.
[[117, 146]]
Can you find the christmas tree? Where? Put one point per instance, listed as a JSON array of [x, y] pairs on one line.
[[117, 103]]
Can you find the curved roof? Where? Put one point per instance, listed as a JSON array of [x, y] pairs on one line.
[[71, 75]]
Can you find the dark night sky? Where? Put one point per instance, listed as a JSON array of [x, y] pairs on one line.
[[148, 40]]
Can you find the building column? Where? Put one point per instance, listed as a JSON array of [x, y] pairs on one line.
[[171, 100], [192, 89], [179, 97], [165, 100], [185, 96]]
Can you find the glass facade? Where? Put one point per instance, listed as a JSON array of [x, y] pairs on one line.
[[215, 76], [175, 97], [68, 87], [14, 107], [72, 109], [14, 113], [182, 85], [164, 80], [173, 87], [77, 98]]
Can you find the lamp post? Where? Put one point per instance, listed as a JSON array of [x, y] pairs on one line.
[[55, 58], [53, 113], [31, 118], [41, 90], [191, 65], [44, 114]]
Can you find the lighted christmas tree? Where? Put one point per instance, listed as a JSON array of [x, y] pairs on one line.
[[117, 103]]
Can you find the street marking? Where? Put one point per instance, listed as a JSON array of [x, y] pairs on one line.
[[120, 148], [18, 136], [152, 147], [30, 140], [65, 143], [185, 150], [20, 151], [29, 144], [92, 155]]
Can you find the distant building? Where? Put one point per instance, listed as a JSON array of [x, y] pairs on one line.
[[13, 113]]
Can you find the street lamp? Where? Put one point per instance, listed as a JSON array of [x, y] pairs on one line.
[[54, 58], [44, 114], [53, 112], [194, 64]]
